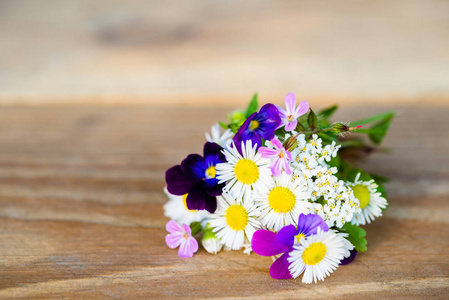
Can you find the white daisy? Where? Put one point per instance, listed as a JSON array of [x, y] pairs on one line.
[[317, 256], [221, 139], [176, 209], [371, 201], [234, 220], [243, 173], [282, 202]]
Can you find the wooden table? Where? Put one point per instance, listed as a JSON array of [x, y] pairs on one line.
[[81, 209]]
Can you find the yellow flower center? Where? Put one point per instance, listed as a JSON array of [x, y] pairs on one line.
[[253, 125], [236, 217], [314, 254], [290, 118], [211, 172], [299, 237], [281, 199], [361, 192], [184, 200], [246, 171]]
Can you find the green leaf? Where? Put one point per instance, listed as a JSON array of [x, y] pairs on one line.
[[327, 112], [299, 127], [195, 227], [356, 236], [380, 129], [252, 106], [312, 120], [372, 119], [223, 125]]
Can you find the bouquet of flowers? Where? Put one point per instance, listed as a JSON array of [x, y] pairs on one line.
[[277, 182]]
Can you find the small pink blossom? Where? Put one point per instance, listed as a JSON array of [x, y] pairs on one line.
[[279, 156], [181, 236], [292, 113]]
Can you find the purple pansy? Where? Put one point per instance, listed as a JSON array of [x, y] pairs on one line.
[[181, 235], [196, 177], [279, 157], [258, 126], [268, 243], [290, 115]]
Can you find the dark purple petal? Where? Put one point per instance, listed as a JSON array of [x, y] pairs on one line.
[[193, 166], [211, 149], [213, 188], [279, 269], [177, 182], [198, 199], [350, 258], [264, 243], [309, 224], [269, 120], [286, 236]]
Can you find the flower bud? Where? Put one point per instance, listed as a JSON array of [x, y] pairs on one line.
[[340, 128], [290, 143], [210, 242]]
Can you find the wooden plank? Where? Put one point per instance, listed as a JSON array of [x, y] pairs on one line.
[[81, 210], [157, 52]]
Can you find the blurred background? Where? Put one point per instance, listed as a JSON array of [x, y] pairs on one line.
[[221, 52]]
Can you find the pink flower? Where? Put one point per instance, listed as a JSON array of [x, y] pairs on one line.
[[181, 235], [279, 156], [289, 117]]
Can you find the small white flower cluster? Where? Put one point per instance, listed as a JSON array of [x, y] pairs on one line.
[[333, 200]]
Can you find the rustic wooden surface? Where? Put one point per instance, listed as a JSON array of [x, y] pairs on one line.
[[81, 209], [147, 51]]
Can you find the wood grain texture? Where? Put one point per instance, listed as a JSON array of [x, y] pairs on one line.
[[81, 210], [105, 51]]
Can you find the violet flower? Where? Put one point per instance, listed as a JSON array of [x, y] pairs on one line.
[[181, 236], [279, 157], [196, 177], [258, 126], [289, 117], [268, 243]]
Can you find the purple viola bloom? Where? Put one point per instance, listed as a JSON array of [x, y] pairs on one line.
[[279, 157], [258, 126], [290, 115], [181, 236], [196, 177], [268, 243]]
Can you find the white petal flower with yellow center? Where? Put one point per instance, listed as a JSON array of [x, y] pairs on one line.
[[317, 256], [176, 209], [243, 173], [282, 202], [234, 221], [371, 201]]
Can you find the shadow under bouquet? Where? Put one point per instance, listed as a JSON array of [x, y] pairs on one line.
[[276, 182]]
